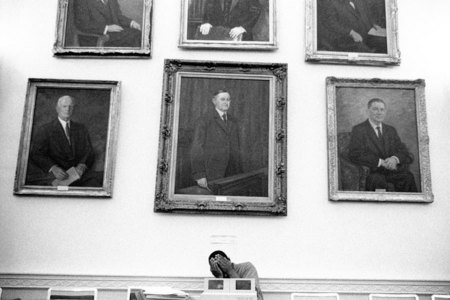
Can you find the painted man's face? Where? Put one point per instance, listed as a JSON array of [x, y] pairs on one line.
[[222, 101], [377, 112]]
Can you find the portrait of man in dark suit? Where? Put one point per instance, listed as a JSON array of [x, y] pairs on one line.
[[229, 20], [378, 146], [351, 26], [223, 142], [215, 149], [103, 20], [62, 149]]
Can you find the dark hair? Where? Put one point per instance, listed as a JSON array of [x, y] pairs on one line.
[[373, 100], [220, 91], [220, 252]]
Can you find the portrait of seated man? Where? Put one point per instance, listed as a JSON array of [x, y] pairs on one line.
[[351, 26], [377, 145], [232, 20], [222, 267], [215, 151], [61, 149], [104, 18]]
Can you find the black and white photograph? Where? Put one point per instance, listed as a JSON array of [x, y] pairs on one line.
[[378, 150], [217, 141], [354, 32], [68, 138], [104, 28], [244, 24]]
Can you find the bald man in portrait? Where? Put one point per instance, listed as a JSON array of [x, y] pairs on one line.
[[60, 145]]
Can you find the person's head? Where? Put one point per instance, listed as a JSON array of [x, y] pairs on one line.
[[214, 256], [64, 107], [376, 110], [221, 100]]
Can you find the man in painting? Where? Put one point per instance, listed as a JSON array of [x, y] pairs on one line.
[[222, 267], [62, 145], [215, 150], [104, 17], [377, 145], [229, 20], [349, 26]]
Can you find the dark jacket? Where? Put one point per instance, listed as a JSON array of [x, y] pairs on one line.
[[243, 13], [50, 146], [366, 149], [92, 16], [215, 149]]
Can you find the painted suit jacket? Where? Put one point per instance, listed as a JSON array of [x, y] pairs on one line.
[[366, 149], [215, 147], [243, 13], [50, 146], [92, 16]]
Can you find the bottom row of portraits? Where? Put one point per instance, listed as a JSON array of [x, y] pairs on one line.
[[223, 139]]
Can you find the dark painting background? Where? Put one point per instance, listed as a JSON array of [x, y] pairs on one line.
[[351, 109], [132, 9], [195, 16], [249, 105], [92, 110]]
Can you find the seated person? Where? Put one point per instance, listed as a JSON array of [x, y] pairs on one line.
[[222, 267], [349, 26], [105, 17], [230, 20]]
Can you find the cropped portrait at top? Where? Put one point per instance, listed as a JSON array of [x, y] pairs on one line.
[[352, 31], [116, 27], [380, 150], [67, 138], [228, 23]]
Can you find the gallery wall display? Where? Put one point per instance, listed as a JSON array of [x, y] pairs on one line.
[[103, 28], [378, 140], [69, 138], [352, 32], [235, 24], [222, 145]]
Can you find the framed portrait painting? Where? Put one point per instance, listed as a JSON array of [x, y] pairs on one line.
[[103, 28], [352, 32], [378, 140], [69, 138], [222, 145], [228, 24]]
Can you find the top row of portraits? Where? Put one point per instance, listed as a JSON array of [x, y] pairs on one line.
[[337, 31]]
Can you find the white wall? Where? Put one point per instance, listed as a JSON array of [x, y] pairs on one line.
[[318, 238]]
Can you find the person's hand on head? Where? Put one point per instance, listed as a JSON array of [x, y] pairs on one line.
[[214, 267], [224, 263]]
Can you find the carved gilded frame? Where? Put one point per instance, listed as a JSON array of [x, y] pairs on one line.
[[312, 54], [274, 75], [60, 49], [186, 42], [101, 119], [340, 103]]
